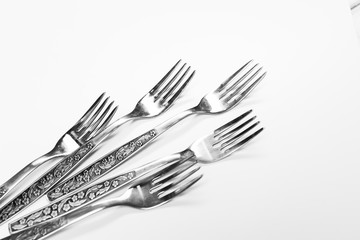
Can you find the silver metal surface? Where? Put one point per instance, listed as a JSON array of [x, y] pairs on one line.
[[162, 182], [71, 202], [76, 136], [226, 96], [158, 100], [224, 141]]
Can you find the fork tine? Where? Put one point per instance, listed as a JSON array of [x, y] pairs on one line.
[[231, 133], [228, 89], [241, 144], [237, 137], [175, 85], [91, 109], [175, 181], [157, 182], [161, 82], [176, 95], [166, 87], [103, 125], [230, 124], [239, 88], [222, 85], [180, 189], [95, 125], [179, 162], [247, 91], [85, 125]]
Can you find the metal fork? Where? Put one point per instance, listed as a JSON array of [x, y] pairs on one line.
[[227, 95], [70, 141], [158, 100], [158, 184], [225, 140], [221, 143]]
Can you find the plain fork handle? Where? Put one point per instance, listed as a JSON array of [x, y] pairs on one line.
[[115, 158]]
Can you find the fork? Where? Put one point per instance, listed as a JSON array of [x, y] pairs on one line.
[[224, 140], [218, 145], [232, 91], [162, 182], [70, 141], [158, 100]]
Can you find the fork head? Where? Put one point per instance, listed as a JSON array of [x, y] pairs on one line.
[[164, 93], [227, 139], [165, 186], [233, 90], [96, 118], [93, 121]]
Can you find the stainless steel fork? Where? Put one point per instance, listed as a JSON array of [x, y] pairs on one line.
[[227, 95], [220, 144], [225, 140], [151, 186], [76, 136], [158, 100]]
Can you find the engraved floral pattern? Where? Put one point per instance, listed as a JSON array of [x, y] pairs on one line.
[[47, 211], [3, 190], [42, 185], [72, 202], [54, 213], [102, 166], [38, 232]]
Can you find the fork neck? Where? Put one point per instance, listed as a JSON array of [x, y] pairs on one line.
[[66, 142], [112, 128], [174, 120]]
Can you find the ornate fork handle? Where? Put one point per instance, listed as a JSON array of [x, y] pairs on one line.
[[94, 193], [72, 202], [101, 167], [43, 184], [54, 225], [20, 175], [48, 228], [49, 225], [115, 158]]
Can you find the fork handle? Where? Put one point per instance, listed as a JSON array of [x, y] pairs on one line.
[[75, 201], [114, 158], [90, 201], [53, 176], [101, 167], [54, 225], [95, 193], [44, 183], [174, 120], [9, 185]]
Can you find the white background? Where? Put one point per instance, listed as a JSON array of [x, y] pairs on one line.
[[355, 6], [298, 180]]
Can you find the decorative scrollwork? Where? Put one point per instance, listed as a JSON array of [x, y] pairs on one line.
[[3, 190], [70, 203], [40, 231], [37, 189], [101, 167]]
